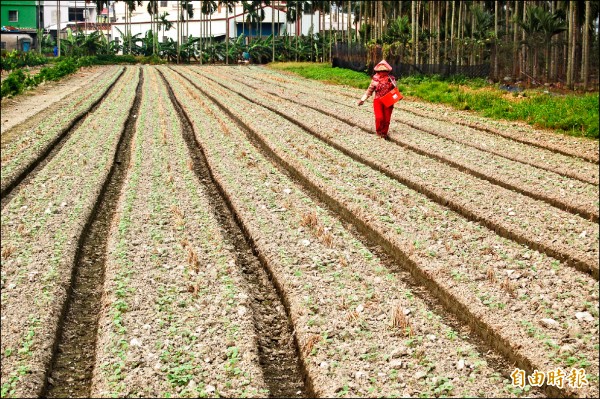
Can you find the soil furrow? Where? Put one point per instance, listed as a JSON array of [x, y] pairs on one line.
[[498, 334], [331, 273], [26, 170], [393, 164], [41, 229], [175, 318], [438, 138], [73, 362], [279, 359], [518, 132]]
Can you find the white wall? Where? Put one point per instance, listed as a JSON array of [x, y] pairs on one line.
[[140, 21], [50, 12]]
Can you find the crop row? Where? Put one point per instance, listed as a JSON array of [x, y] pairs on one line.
[[482, 154], [37, 136], [533, 222], [566, 193], [503, 289], [360, 328], [41, 229], [513, 132], [175, 318]]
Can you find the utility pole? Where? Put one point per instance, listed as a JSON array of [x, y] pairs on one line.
[[273, 30], [58, 25], [178, 30]]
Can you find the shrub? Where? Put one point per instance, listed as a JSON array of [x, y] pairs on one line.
[[13, 84]]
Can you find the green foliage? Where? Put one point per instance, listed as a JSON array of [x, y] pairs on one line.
[[79, 44], [14, 83], [325, 73], [18, 59], [18, 81]]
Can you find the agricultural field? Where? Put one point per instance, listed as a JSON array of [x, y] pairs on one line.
[[204, 231]]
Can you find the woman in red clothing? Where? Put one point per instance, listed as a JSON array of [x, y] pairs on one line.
[[382, 83]]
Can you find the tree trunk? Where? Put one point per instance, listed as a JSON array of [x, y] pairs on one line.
[[585, 71], [227, 34], [459, 33], [178, 26], [452, 50], [348, 22], [516, 61], [58, 26], [495, 75], [446, 32], [571, 48], [523, 37], [273, 32]]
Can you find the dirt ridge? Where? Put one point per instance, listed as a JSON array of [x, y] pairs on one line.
[[572, 260], [451, 303], [594, 158], [10, 188], [255, 270], [75, 334]]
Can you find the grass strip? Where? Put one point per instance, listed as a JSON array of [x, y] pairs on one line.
[[571, 114]]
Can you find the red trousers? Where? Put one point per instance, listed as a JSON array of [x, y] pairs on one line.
[[383, 115]]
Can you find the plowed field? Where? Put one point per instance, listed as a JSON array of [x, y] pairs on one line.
[[209, 231]]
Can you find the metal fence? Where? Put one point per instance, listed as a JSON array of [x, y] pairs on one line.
[[356, 57]]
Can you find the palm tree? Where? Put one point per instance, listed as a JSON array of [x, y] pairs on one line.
[[152, 9], [130, 8], [586, 45], [322, 7], [208, 8], [229, 7]]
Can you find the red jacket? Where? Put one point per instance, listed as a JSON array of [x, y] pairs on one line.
[[381, 83]]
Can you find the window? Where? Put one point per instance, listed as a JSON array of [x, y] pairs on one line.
[[76, 14], [164, 3], [13, 16]]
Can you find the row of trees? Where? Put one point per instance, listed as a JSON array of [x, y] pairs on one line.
[[537, 40]]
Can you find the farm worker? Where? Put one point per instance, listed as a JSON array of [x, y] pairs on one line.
[[382, 83]]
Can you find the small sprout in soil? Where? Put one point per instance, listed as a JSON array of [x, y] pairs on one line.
[[451, 334], [190, 165], [310, 343], [7, 251], [400, 321], [193, 260], [507, 286], [491, 275], [327, 240]]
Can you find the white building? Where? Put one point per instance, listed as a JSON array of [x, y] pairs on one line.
[[218, 23], [84, 15], [72, 12]]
